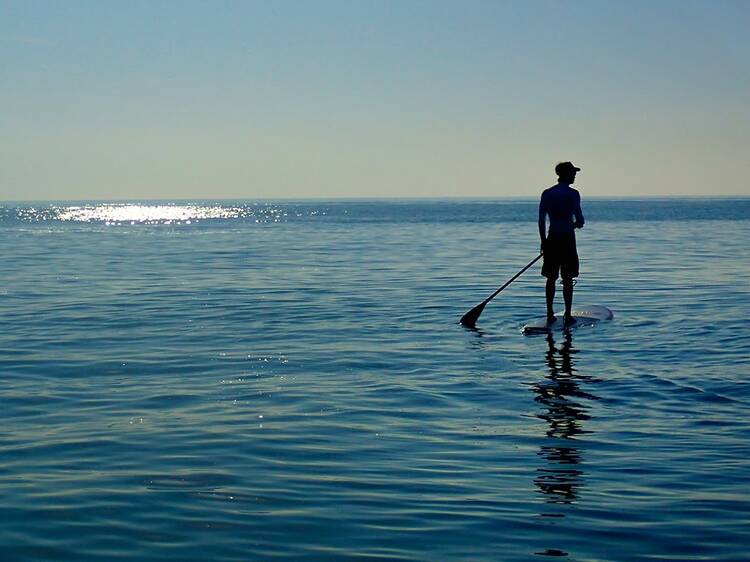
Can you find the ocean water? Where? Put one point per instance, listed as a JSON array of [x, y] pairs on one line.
[[241, 381]]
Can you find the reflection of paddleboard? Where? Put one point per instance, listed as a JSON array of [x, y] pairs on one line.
[[584, 315]]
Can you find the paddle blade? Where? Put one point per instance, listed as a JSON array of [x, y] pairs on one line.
[[470, 318]]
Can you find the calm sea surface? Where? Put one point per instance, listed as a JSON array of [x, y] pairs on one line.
[[238, 381]]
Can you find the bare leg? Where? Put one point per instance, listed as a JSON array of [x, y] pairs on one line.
[[550, 294], [568, 297]]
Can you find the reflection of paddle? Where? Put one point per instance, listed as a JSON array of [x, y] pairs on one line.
[[471, 317]]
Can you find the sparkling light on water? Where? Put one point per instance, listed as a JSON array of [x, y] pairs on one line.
[[133, 213], [146, 213]]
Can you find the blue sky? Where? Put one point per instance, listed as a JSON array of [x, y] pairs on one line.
[[187, 99]]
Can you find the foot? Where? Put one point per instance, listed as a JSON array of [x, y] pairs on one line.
[[569, 320], [551, 319]]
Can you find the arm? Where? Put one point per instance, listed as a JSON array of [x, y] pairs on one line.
[[542, 221], [578, 213]]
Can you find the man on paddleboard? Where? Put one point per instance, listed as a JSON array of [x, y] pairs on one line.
[[562, 204]]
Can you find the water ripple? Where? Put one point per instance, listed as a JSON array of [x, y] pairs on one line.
[[298, 389]]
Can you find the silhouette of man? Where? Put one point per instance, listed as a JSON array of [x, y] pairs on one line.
[[562, 204]]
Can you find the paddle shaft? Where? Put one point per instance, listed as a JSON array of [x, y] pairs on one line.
[[509, 281]]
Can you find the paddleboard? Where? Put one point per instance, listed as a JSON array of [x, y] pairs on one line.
[[584, 315]]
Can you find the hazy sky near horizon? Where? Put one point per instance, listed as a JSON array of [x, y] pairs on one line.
[[219, 99]]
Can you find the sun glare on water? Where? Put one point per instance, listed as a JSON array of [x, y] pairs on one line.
[[132, 213], [149, 214]]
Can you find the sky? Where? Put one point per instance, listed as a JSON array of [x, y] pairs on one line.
[[217, 99]]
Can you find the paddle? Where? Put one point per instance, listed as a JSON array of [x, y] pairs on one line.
[[470, 318]]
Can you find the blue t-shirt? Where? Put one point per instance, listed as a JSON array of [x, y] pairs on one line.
[[562, 204]]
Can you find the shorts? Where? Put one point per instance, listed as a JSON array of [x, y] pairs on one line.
[[560, 256]]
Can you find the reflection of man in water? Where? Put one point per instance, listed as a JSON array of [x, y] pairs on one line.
[[562, 204], [564, 409]]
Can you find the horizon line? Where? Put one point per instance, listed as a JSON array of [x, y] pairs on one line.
[[375, 199]]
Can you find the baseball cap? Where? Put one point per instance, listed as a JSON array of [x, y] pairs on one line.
[[564, 167]]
